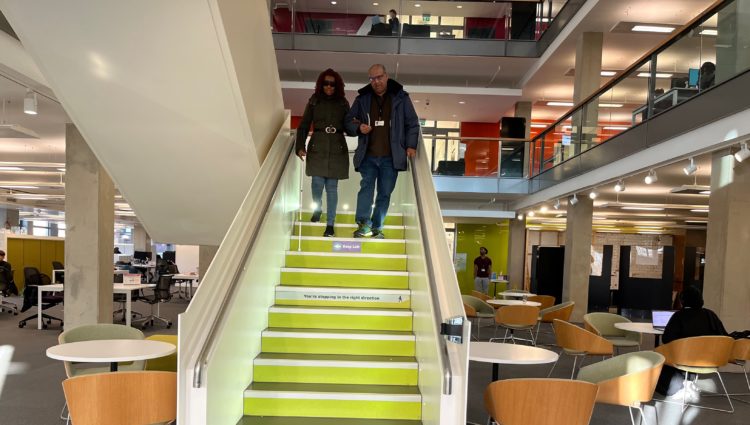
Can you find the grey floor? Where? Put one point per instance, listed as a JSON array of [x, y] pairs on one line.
[[35, 396]]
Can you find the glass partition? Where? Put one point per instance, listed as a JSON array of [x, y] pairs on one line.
[[522, 20], [475, 156], [699, 56]]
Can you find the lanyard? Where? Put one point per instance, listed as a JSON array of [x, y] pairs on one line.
[[380, 105]]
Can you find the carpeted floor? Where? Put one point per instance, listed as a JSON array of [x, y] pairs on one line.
[[35, 397]]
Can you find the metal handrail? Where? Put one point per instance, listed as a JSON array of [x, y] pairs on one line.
[[423, 185], [262, 191]]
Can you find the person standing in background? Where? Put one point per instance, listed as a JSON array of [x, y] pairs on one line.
[[482, 271], [393, 22]]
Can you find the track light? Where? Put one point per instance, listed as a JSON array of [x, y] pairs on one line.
[[574, 199], [531, 214], [520, 217], [651, 177], [593, 194], [557, 204], [620, 186], [29, 102], [543, 209], [691, 168], [743, 153]]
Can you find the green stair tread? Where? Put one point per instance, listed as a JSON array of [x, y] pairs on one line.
[[334, 388], [340, 331], [302, 308], [345, 225], [336, 357], [321, 270], [283, 420]]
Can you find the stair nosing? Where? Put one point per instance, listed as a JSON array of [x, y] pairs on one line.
[[394, 312], [346, 254], [344, 289], [345, 271], [369, 363], [369, 240], [344, 335]]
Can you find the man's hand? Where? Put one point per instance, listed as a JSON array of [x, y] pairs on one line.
[[301, 154], [411, 152], [364, 128]]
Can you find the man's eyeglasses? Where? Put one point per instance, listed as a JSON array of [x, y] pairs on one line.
[[377, 78], [329, 84]]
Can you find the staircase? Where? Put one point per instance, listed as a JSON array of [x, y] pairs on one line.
[[339, 347]]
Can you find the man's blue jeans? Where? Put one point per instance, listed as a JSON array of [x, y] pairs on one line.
[[332, 196], [376, 172]]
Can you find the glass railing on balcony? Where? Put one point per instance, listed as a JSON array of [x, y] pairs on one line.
[[520, 20], [475, 156], [704, 53]]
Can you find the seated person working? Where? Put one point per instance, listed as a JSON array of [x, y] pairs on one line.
[[691, 320]]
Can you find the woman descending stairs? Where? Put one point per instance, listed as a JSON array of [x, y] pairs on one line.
[[339, 347]]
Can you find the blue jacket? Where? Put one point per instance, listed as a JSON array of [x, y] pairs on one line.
[[404, 123]]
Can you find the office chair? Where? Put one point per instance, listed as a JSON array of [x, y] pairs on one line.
[[161, 294], [33, 279], [56, 265], [6, 288]]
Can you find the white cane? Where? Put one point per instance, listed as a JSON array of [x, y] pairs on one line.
[[299, 218]]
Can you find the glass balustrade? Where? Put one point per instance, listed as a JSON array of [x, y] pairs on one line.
[[701, 55], [475, 156]]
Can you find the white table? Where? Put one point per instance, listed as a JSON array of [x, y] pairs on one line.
[[642, 328], [516, 294], [56, 271], [514, 302], [110, 351], [494, 283], [118, 288], [189, 278], [502, 353]]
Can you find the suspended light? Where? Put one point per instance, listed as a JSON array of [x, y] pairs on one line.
[[543, 209], [691, 168], [651, 177], [557, 204], [531, 214], [619, 186], [593, 194], [743, 153], [30, 103], [520, 217], [574, 199]]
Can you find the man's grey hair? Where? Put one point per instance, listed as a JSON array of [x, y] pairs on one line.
[[378, 65]]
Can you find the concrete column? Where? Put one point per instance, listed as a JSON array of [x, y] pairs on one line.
[[578, 256], [206, 254], [587, 80], [733, 37], [90, 221], [523, 110], [516, 253], [141, 240], [726, 283]]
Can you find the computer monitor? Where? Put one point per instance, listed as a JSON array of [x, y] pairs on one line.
[[142, 256], [660, 318], [169, 256], [693, 75]]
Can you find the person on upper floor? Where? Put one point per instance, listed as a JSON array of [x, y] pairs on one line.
[[691, 320], [388, 128], [327, 153], [393, 22]]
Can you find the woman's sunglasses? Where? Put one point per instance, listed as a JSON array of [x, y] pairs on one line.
[[329, 84]]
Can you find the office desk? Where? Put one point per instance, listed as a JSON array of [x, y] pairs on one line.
[[118, 288], [670, 98], [56, 271], [188, 278]]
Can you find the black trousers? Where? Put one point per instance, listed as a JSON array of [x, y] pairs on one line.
[[671, 380]]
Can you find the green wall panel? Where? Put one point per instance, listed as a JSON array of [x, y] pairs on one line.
[[469, 237]]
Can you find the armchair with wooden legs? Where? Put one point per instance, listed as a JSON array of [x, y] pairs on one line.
[[578, 342], [700, 355], [546, 301]]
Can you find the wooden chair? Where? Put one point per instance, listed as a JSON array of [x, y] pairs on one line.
[[627, 380], [122, 398], [540, 401], [701, 355], [579, 342], [603, 324], [560, 311], [516, 318], [546, 301], [481, 295]]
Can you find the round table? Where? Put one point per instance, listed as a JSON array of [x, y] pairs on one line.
[[501, 353], [514, 302], [641, 328], [494, 283], [110, 351], [516, 294]]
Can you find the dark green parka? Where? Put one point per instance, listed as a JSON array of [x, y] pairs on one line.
[[327, 153]]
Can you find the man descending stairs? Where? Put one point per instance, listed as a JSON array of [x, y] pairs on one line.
[[339, 347]]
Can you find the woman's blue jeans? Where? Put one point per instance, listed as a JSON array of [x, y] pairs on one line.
[[332, 196]]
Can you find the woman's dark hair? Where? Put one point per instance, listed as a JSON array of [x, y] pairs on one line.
[[691, 297], [339, 92]]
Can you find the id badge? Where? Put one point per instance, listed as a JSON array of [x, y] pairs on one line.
[[379, 123], [482, 270]]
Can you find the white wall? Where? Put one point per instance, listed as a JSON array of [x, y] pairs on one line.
[[187, 258]]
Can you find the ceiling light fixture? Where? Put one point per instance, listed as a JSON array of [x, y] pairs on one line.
[[643, 208], [536, 125], [531, 214], [543, 209], [610, 105], [417, 5], [376, 4], [608, 73], [593, 194], [559, 103], [459, 7], [334, 2], [557, 204], [658, 75], [652, 28], [616, 127], [11, 169], [30, 103], [461, 102], [709, 31], [18, 186], [520, 217], [743, 153], [705, 192], [620, 186], [691, 168], [651, 177], [704, 210], [574, 199]]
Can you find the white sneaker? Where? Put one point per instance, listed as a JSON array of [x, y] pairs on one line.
[[690, 395]]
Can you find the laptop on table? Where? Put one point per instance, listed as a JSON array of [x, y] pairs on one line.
[[660, 318]]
